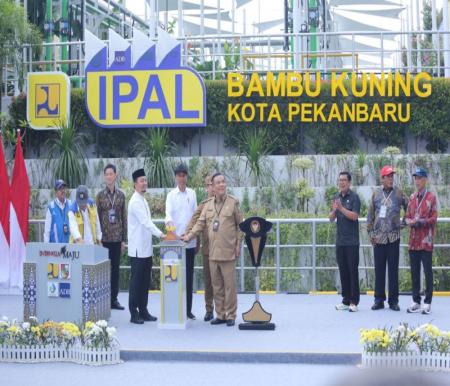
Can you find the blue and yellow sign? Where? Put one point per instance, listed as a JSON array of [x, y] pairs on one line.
[[48, 99], [142, 86]]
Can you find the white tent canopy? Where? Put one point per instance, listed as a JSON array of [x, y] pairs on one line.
[[352, 21]]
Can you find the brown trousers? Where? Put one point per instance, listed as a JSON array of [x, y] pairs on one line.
[[209, 298], [223, 276]]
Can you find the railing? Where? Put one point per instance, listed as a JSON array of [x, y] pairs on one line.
[[314, 254], [216, 55]]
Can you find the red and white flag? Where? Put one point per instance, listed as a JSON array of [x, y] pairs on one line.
[[5, 200], [20, 202]]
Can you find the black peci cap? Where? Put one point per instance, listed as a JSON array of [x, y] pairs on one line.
[[138, 173]]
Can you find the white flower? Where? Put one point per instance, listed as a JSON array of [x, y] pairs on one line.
[[26, 325], [5, 319], [96, 329], [102, 323], [111, 331], [401, 329]]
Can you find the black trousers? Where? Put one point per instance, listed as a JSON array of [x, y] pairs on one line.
[[386, 254], [141, 269], [348, 260], [114, 252], [190, 257], [424, 257]]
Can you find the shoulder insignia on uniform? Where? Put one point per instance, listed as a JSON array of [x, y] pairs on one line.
[[206, 200], [234, 198]]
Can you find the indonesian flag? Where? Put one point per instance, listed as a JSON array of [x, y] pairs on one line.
[[5, 200], [20, 201]]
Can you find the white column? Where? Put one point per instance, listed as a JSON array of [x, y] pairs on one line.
[[202, 29], [296, 26], [434, 28], [233, 15], [418, 28], [180, 19], [446, 39], [218, 18], [153, 22]]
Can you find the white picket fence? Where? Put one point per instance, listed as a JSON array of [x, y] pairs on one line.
[[76, 354], [407, 360]]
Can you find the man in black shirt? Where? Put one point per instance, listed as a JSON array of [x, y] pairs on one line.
[[345, 209]]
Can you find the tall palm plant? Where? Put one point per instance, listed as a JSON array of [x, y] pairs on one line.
[[66, 154], [155, 146], [255, 146]]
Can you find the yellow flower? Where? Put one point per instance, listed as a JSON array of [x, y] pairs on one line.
[[433, 331]]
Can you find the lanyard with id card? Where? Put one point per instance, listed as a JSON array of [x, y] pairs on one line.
[[216, 222], [419, 204], [63, 215], [112, 212], [383, 208]]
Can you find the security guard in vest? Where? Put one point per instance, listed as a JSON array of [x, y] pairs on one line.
[[83, 219], [56, 219], [221, 216]]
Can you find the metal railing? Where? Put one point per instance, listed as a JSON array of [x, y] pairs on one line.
[[216, 55], [275, 247]]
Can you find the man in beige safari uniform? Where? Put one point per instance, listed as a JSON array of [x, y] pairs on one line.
[[221, 217], [209, 304]]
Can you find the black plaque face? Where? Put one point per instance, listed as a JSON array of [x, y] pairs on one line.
[[255, 229]]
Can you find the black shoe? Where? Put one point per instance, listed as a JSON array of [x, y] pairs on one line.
[[208, 316], [218, 321], [115, 305], [394, 307], [230, 322], [190, 315], [377, 306], [146, 317], [136, 320]]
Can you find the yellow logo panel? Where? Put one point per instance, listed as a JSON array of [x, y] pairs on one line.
[[48, 99], [145, 98]]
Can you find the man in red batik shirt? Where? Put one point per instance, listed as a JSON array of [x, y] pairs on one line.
[[421, 217]]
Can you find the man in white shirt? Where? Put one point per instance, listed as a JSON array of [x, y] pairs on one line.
[[181, 204], [140, 249], [56, 219], [84, 223]]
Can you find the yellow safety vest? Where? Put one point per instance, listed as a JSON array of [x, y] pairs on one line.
[[92, 212]]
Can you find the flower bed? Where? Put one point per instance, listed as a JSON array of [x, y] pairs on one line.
[[91, 344], [425, 348]]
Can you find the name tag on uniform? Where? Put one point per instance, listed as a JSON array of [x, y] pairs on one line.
[[112, 216], [383, 211], [216, 224]]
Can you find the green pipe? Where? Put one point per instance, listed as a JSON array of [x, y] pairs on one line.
[[48, 33], [64, 33]]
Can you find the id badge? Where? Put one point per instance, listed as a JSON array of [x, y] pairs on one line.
[[66, 229], [383, 210], [216, 225], [112, 216]]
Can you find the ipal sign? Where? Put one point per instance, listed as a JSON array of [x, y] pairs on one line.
[[144, 84]]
